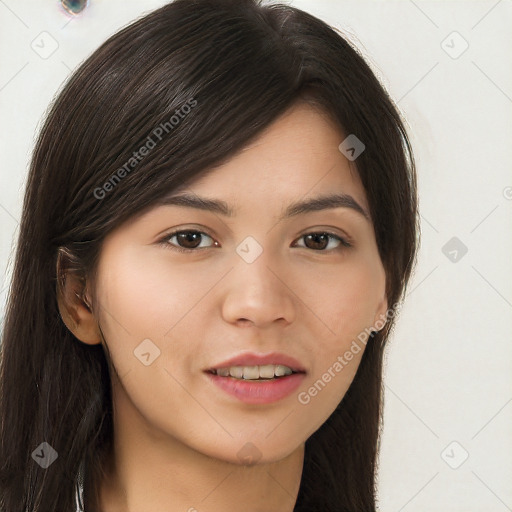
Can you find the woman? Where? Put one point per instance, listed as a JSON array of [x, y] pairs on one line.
[[219, 224]]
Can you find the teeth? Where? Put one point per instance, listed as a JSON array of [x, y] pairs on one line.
[[236, 371], [267, 371], [251, 372], [282, 370]]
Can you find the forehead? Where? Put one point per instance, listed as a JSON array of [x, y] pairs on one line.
[[296, 156]]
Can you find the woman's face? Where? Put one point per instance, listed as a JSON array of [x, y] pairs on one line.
[[250, 283]]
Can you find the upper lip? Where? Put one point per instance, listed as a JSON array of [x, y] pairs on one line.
[[253, 359]]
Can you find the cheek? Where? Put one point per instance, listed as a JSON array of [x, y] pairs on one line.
[[345, 304], [148, 295], [345, 299], [145, 296]]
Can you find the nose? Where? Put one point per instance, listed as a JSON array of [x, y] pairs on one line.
[[259, 294]]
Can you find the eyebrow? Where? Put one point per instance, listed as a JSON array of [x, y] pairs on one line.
[[293, 209]]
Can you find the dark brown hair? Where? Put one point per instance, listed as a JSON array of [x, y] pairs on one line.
[[243, 63]]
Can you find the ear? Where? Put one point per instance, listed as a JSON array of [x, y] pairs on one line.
[[74, 303]]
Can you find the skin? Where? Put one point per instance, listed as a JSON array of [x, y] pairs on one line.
[[177, 436]]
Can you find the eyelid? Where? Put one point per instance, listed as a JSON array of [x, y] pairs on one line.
[[343, 239], [334, 231], [195, 228], [165, 239]]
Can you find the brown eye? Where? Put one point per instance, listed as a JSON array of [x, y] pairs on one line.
[[319, 241], [186, 240]]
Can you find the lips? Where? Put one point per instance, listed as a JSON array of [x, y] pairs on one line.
[[257, 391], [253, 359]]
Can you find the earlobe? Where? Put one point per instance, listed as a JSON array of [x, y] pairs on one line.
[[75, 309]]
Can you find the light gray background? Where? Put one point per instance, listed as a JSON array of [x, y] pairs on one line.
[[448, 386]]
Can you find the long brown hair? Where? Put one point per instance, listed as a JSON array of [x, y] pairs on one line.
[[243, 63]]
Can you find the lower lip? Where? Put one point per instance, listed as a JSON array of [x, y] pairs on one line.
[[258, 392]]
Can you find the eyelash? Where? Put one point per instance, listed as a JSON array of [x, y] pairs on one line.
[[165, 241]]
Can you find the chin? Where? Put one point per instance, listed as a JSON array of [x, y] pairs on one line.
[[244, 452]]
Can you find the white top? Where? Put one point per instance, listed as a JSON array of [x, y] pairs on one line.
[[79, 489]]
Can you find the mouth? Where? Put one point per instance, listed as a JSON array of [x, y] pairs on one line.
[[256, 378], [255, 373]]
